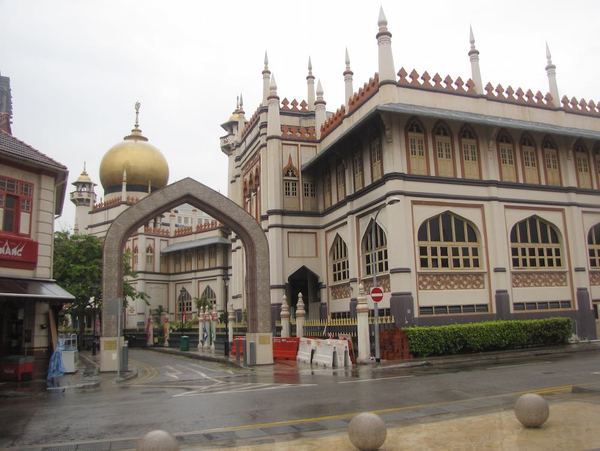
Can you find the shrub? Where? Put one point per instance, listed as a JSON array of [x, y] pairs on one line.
[[487, 336]]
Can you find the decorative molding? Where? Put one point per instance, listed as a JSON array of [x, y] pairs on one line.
[[340, 291], [451, 281], [595, 278], [400, 270], [499, 269], [539, 279], [579, 269], [383, 281]]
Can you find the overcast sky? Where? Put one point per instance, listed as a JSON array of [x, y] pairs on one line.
[[77, 67]]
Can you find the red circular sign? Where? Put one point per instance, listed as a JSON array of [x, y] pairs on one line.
[[376, 294]]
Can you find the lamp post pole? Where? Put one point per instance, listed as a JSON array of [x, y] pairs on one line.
[[392, 200], [374, 271], [226, 319]]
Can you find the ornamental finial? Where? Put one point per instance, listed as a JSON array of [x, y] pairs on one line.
[[137, 114]]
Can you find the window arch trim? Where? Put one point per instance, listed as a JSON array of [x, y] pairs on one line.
[[339, 264], [536, 243], [526, 159], [447, 151], [414, 122]]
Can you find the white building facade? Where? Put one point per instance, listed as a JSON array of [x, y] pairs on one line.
[[466, 202]]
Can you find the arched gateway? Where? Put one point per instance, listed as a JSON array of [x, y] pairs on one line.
[[189, 191]]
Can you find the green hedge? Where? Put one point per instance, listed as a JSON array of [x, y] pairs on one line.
[[487, 336]]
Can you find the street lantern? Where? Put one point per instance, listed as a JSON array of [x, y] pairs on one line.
[[392, 200]]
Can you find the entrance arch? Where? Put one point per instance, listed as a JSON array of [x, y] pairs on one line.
[[192, 192], [304, 281]]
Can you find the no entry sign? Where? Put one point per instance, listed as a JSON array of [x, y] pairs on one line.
[[376, 294]]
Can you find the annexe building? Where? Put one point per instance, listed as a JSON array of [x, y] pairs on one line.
[[32, 191], [463, 201]]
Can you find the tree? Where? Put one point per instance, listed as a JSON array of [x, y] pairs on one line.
[[78, 269]]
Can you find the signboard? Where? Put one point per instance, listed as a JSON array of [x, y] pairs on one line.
[[376, 294], [18, 251]]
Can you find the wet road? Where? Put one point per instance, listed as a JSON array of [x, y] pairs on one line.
[[183, 395]]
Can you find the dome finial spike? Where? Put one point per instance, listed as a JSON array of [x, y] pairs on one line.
[[548, 54], [84, 166], [137, 114], [382, 21], [241, 102], [471, 37], [309, 66], [266, 61], [347, 59], [319, 90]]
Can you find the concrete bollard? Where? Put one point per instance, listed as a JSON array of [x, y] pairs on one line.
[[532, 410], [157, 441], [367, 431]]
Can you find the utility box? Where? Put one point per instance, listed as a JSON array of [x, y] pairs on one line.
[[184, 343]]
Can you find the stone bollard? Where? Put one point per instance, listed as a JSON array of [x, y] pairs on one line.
[[157, 441], [367, 431], [285, 318], [300, 314], [532, 410], [362, 326]]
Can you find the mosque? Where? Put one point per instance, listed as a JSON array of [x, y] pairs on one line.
[[463, 201]]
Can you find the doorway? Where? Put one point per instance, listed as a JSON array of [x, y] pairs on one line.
[[306, 282], [596, 305]]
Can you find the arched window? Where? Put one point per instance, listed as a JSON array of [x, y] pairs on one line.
[[582, 165], [375, 253], [149, 258], [529, 159], [134, 265], [506, 157], [448, 241], [340, 178], [290, 186], [357, 167], [535, 243], [327, 188], [376, 157], [470, 153], [339, 260], [594, 246], [596, 163], [444, 152], [209, 295], [417, 151], [184, 304], [551, 162]]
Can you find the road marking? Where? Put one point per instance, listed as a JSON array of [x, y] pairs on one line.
[[375, 379], [204, 375], [226, 388]]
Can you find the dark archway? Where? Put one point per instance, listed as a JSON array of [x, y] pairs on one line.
[[192, 192], [306, 282]]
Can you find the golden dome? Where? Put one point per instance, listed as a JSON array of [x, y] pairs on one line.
[[143, 164]]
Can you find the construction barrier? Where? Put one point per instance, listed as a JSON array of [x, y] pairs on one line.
[[242, 344], [342, 357], [285, 348], [306, 347], [324, 353]]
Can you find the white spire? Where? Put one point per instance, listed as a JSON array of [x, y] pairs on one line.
[[310, 86], [382, 21], [241, 102], [273, 86], [475, 69], [551, 72], [320, 112], [387, 73], [266, 73], [348, 89], [273, 116]]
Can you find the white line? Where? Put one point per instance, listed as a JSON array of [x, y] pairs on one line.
[[204, 375], [187, 393], [374, 379], [172, 375]]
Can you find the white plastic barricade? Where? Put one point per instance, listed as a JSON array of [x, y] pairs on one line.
[[324, 353], [305, 350], [342, 354]]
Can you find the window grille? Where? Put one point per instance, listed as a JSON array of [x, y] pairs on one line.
[[339, 259], [535, 243]]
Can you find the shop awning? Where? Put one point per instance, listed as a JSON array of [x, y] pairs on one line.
[[194, 244], [34, 289]]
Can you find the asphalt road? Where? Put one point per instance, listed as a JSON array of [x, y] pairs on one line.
[[187, 396]]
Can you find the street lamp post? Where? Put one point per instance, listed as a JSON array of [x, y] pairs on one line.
[[226, 317], [390, 201]]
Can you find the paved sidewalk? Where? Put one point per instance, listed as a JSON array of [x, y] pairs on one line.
[[572, 426]]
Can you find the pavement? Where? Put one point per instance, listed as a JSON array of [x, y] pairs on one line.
[[484, 422]]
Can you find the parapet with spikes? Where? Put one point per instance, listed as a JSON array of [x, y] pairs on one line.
[[333, 121], [251, 123], [519, 97], [573, 105], [436, 83], [365, 93], [294, 106], [292, 133]]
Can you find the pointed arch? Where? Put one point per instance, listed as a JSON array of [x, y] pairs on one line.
[[449, 242], [338, 255], [150, 256], [375, 154], [470, 160], [529, 159], [416, 147], [536, 243], [215, 205], [582, 164], [593, 241], [552, 170], [443, 146], [375, 254], [209, 294]]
